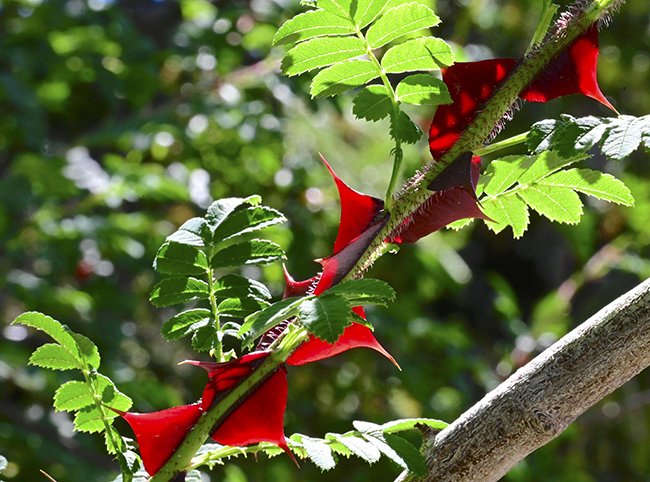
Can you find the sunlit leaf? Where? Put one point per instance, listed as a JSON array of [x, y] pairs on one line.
[[399, 21], [343, 76], [321, 52], [425, 53], [423, 89]]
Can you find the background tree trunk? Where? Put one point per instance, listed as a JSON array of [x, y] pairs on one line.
[[540, 400]]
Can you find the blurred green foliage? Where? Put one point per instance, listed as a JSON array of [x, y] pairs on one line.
[[120, 120]]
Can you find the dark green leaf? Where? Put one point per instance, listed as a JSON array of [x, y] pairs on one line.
[[404, 129], [325, 317], [205, 338], [255, 251], [236, 286], [193, 232], [185, 323], [240, 307], [171, 291], [365, 291], [408, 454], [373, 103], [87, 350], [247, 221], [264, 320], [180, 259]]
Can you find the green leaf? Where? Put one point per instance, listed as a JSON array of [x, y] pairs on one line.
[[545, 164], [337, 7], [361, 448], [409, 456], [321, 52], [593, 183], [372, 103], [236, 286], [319, 452], [423, 89], [205, 338], [185, 323], [269, 317], [51, 327], [72, 396], [193, 232], [399, 21], [556, 203], [367, 10], [503, 173], [254, 251], [624, 138], [180, 259], [87, 350], [246, 221], [401, 425], [222, 208], [55, 357], [114, 443], [343, 76], [363, 292], [404, 129], [315, 23], [240, 307], [171, 291], [325, 317], [506, 211], [91, 419], [425, 53]]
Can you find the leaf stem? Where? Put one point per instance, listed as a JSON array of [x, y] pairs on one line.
[[398, 155], [217, 351], [549, 9], [502, 145]]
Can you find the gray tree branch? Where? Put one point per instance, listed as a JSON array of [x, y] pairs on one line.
[[541, 399]]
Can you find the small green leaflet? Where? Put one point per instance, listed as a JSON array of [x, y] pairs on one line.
[[171, 291], [321, 52], [514, 184], [254, 251], [315, 23], [185, 323], [247, 220], [426, 53], [423, 89], [399, 21], [343, 76], [365, 291], [372, 103], [180, 259], [617, 137], [54, 357], [326, 317], [262, 321], [404, 129]]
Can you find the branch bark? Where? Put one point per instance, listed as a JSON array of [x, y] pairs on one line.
[[541, 399]]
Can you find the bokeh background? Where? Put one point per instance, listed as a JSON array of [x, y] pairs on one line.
[[121, 119]]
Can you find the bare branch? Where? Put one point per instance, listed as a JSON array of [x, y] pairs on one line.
[[540, 400]]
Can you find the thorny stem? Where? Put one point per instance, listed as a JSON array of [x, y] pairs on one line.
[[398, 154], [182, 457], [472, 139], [403, 206]]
